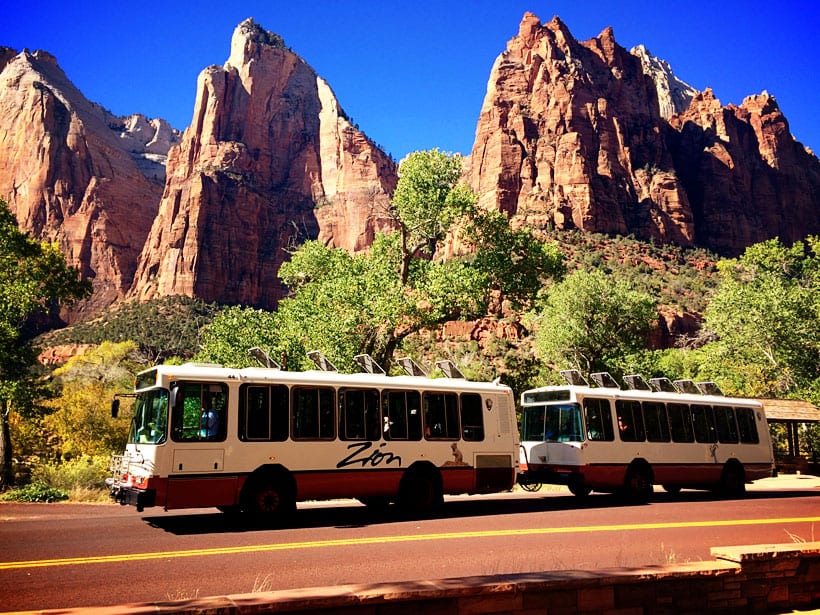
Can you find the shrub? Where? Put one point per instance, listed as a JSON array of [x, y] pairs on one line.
[[34, 492]]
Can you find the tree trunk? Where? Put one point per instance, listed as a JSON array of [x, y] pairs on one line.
[[6, 466]]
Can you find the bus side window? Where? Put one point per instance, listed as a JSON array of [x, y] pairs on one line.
[[680, 422], [703, 418], [359, 414], [200, 413], [726, 425], [630, 420], [402, 415], [472, 417], [599, 419], [263, 415], [657, 425], [313, 413], [440, 416], [747, 426]]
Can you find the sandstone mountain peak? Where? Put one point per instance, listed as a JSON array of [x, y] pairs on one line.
[[69, 178], [674, 94], [590, 136], [268, 162]]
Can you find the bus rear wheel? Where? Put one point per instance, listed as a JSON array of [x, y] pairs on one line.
[[733, 481], [420, 493]]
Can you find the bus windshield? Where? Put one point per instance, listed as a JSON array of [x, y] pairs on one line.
[[150, 417], [552, 423]]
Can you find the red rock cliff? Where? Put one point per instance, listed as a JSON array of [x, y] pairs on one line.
[[69, 178], [571, 136], [269, 161]]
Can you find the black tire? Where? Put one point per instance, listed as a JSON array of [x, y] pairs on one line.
[[268, 499], [733, 481], [637, 487], [420, 493], [579, 488]]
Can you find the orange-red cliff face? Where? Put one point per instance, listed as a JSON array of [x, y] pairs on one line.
[[70, 178], [268, 162], [570, 136]]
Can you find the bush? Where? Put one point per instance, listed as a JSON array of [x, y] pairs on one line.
[[34, 492], [85, 473]]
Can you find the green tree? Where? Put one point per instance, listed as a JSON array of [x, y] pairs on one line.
[[34, 278], [343, 304], [765, 314], [590, 321], [80, 421]]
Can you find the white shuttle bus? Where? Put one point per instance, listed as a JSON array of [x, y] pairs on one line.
[[261, 439], [608, 439]]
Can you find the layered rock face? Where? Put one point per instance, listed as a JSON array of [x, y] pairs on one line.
[[269, 161], [70, 178], [587, 135], [747, 178]]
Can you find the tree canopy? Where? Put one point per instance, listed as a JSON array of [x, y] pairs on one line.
[[34, 278], [591, 320], [346, 304]]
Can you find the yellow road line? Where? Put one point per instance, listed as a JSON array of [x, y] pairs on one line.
[[314, 544]]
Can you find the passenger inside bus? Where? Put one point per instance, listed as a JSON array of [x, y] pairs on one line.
[[209, 424]]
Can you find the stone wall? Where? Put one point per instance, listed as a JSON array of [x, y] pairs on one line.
[[746, 579]]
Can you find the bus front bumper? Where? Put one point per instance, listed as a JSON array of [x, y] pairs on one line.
[[130, 496]]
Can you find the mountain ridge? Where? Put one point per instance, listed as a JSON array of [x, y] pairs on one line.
[[573, 135]]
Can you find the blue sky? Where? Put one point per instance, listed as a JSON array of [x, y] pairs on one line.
[[413, 74]]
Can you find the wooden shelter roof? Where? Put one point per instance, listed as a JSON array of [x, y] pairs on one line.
[[779, 410]]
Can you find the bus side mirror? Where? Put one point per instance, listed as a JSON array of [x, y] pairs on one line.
[[115, 407], [173, 400]]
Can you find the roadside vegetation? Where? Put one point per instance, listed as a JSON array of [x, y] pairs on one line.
[[450, 281]]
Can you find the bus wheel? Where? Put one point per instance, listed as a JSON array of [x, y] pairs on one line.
[[638, 483], [268, 499], [733, 480], [419, 492], [579, 488]]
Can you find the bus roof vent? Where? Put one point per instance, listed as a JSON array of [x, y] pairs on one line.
[[368, 364], [573, 377], [709, 388], [687, 386], [635, 382], [321, 361], [449, 369], [263, 357], [411, 367], [662, 385], [604, 380]]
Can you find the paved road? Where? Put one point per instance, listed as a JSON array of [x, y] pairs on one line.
[[68, 555]]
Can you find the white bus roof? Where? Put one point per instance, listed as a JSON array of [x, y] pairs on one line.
[[201, 371], [634, 394]]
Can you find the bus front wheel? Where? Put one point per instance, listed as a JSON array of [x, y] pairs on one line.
[[578, 487], [638, 483], [268, 499]]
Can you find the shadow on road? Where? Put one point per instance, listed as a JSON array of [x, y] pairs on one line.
[[347, 513]]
